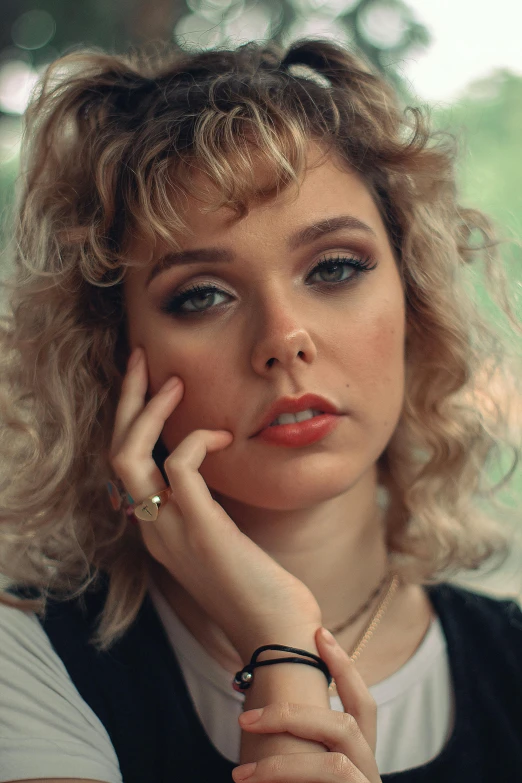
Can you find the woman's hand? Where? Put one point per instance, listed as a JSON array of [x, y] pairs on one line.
[[251, 597], [350, 736]]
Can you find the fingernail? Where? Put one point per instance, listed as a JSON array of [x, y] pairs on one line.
[[245, 771], [328, 638], [170, 384], [134, 358], [251, 716]]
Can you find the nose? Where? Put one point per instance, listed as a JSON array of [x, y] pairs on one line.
[[282, 338]]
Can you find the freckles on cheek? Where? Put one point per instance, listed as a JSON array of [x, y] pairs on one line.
[[381, 349], [167, 357], [206, 383], [385, 345]]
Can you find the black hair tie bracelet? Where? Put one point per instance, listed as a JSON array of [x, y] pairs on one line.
[[244, 678]]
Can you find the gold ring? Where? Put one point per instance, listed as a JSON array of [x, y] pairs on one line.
[[147, 510]]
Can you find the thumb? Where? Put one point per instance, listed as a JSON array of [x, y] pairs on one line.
[[353, 691]]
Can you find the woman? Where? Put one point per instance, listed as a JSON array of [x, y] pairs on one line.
[[239, 304]]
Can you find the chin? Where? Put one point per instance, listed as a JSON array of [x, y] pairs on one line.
[[284, 497]]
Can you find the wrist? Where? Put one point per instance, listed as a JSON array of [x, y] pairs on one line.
[[302, 637], [283, 654], [284, 683]]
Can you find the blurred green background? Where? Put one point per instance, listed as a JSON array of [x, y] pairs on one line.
[[485, 115]]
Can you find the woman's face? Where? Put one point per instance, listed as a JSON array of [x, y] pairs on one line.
[[278, 326]]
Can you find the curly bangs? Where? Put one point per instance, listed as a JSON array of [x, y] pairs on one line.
[[112, 145]]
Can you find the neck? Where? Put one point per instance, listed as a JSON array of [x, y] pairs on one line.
[[337, 549]]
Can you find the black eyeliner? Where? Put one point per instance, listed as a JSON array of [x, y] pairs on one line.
[[173, 304]]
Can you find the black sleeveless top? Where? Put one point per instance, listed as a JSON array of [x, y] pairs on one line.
[[138, 692]]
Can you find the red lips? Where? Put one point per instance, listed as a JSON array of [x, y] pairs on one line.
[[295, 405]]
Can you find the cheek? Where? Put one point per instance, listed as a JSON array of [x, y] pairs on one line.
[[386, 344], [375, 360], [206, 383]]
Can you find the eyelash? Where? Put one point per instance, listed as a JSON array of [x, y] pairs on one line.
[[173, 305]]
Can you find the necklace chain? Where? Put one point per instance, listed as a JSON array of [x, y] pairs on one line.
[[372, 625], [359, 612], [376, 618]]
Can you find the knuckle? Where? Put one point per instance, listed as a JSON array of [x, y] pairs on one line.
[[121, 462], [271, 767], [286, 710], [348, 724], [173, 465], [340, 766]]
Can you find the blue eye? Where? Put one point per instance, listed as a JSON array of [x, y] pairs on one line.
[[341, 263], [203, 295], [198, 294]]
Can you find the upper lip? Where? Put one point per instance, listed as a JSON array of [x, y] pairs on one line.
[[295, 405]]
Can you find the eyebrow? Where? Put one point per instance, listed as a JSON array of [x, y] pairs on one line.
[[303, 236]]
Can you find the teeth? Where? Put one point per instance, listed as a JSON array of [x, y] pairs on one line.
[[293, 418]]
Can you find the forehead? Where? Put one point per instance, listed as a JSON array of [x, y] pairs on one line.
[[327, 188]]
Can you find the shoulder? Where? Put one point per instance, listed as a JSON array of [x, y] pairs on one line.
[[46, 726], [21, 634], [25, 640], [28, 661], [474, 604], [486, 626]]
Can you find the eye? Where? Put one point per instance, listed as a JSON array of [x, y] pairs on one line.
[[201, 295], [201, 298], [341, 263]]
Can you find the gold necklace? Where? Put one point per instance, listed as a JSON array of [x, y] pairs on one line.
[[359, 612], [372, 625]]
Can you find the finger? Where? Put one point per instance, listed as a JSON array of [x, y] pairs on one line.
[[353, 691], [138, 427], [337, 731], [190, 491], [134, 462], [141, 424], [131, 402], [303, 768]]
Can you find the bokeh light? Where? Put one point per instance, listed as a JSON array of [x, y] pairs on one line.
[[10, 138], [331, 7], [17, 80], [216, 10], [322, 25], [232, 23], [33, 29], [382, 25], [195, 31], [253, 24]]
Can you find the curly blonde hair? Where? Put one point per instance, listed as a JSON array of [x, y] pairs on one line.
[[111, 143]]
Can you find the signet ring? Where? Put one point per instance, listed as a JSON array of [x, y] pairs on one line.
[[148, 509]]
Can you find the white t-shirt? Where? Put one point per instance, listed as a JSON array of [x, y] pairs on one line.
[[48, 731], [415, 703]]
